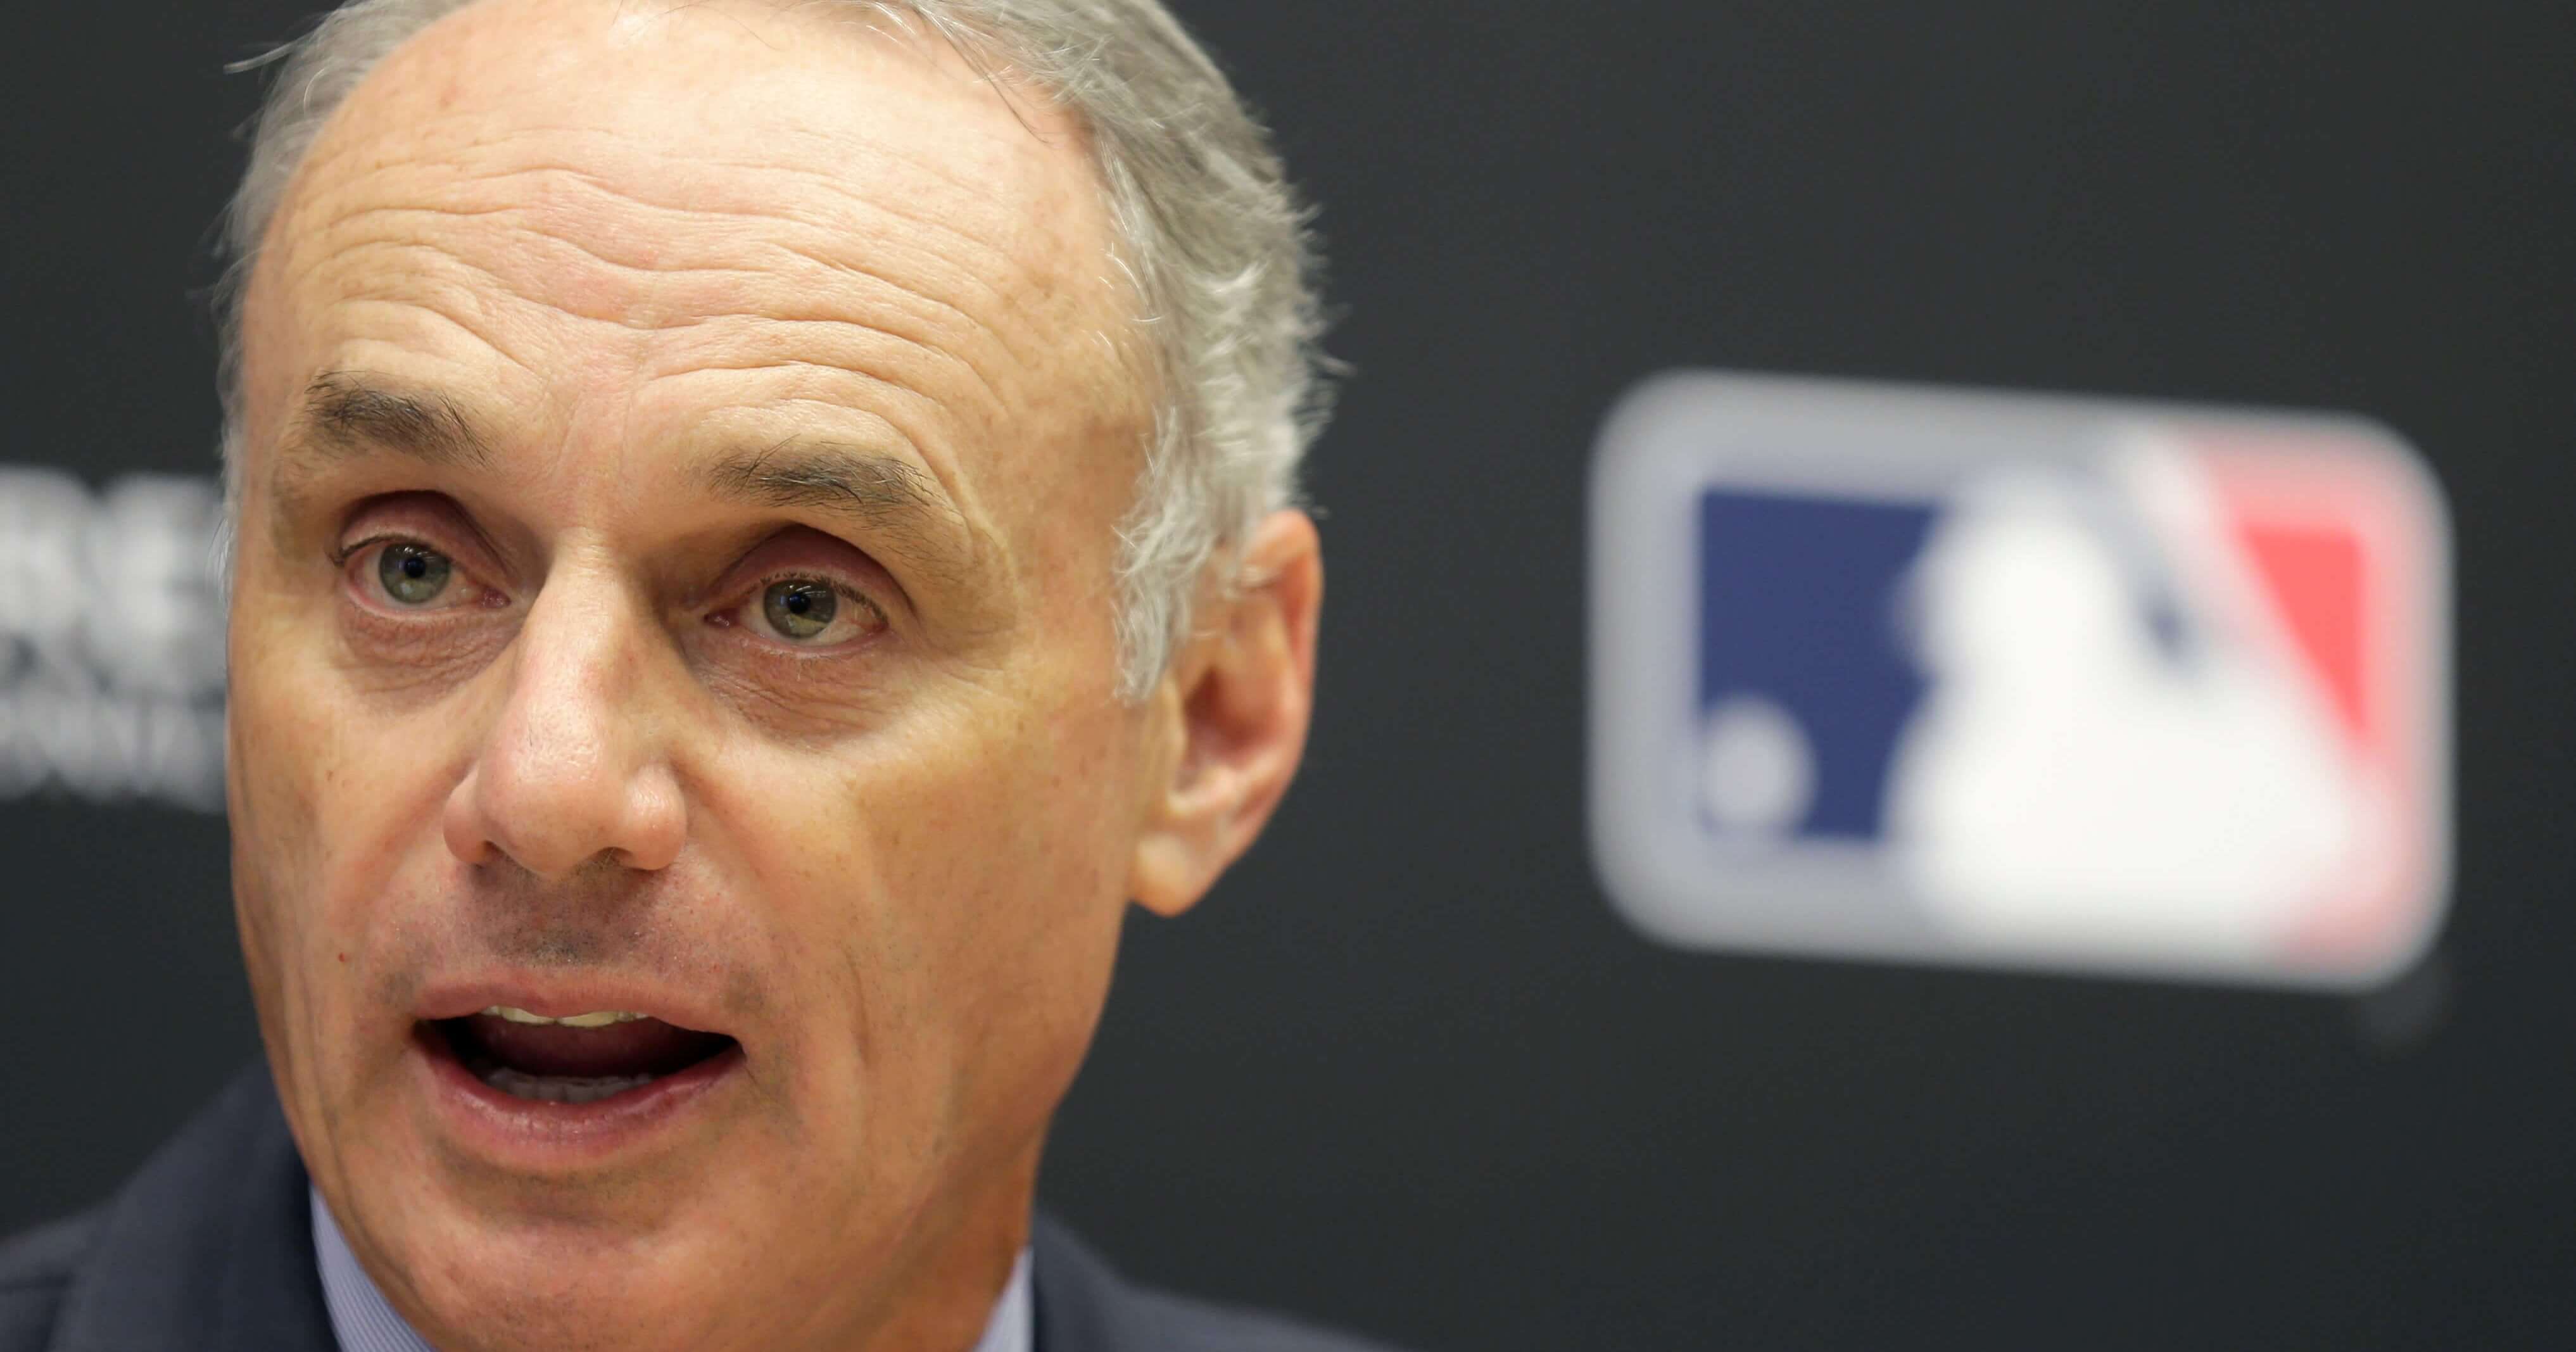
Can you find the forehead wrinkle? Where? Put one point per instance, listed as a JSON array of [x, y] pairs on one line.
[[776, 209], [975, 271], [1031, 215], [454, 156], [772, 341], [853, 266], [433, 308], [392, 289], [311, 261], [763, 333], [979, 263], [910, 414], [895, 412]]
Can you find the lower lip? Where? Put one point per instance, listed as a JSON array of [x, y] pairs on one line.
[[534, 1135]]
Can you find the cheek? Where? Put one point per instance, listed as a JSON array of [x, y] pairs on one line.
[[327, 803], [1035, 853], [1013, 822], [288, 769], [959, 887], [271, 801], [276, 844]]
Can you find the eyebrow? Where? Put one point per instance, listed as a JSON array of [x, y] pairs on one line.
[[346, 415], [890, 498], [897, 504]]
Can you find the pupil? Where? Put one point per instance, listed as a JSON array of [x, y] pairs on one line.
[[415, 567]]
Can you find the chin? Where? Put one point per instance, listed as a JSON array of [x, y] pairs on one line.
[[503, 1235], [564, 1288]]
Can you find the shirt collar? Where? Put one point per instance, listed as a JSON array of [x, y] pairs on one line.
[[364, 1321]]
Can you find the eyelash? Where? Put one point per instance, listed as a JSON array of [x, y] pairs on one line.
[[340, 557]]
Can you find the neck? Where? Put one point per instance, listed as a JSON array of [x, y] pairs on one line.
[[940, 1289]]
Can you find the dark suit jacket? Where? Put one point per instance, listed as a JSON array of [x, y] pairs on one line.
[[210, 1249]]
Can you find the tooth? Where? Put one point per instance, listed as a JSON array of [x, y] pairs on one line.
[[596, 1019], [519, 1084], [561, 1088], [591, 1091]]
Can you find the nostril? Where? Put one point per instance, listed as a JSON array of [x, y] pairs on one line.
[[656, 821], [460, 822]]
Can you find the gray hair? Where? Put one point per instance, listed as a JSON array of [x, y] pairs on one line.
[[1208, 232]]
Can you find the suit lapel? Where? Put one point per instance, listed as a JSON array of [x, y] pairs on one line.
[[1082, 1303], [209, 1246]]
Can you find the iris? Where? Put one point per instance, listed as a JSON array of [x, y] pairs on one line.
[[799, 609], [412, 575]]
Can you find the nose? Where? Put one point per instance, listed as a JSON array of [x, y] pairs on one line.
[[573, 768]]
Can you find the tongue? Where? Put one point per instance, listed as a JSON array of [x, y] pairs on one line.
[[640, 1047]]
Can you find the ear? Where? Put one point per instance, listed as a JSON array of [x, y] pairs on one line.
[[1230, 718]]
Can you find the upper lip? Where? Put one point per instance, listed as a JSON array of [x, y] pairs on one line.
[[561, 996]]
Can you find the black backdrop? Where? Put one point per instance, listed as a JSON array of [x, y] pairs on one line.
[[1405, 1070]]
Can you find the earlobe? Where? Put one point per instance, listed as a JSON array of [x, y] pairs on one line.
[[1232, 718]]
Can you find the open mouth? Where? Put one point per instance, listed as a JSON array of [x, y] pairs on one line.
[[581, 1058]]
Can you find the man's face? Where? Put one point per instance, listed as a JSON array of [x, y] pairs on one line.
[[675, 578]]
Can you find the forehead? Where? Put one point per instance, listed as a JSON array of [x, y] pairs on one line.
[[709, 214]]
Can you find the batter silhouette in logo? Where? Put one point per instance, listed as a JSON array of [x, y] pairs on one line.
[[2094, 766]]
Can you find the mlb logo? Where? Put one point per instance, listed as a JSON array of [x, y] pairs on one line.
[[2019, 681]]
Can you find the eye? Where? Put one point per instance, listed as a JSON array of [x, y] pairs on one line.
[[811, 612], [413, 575]]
